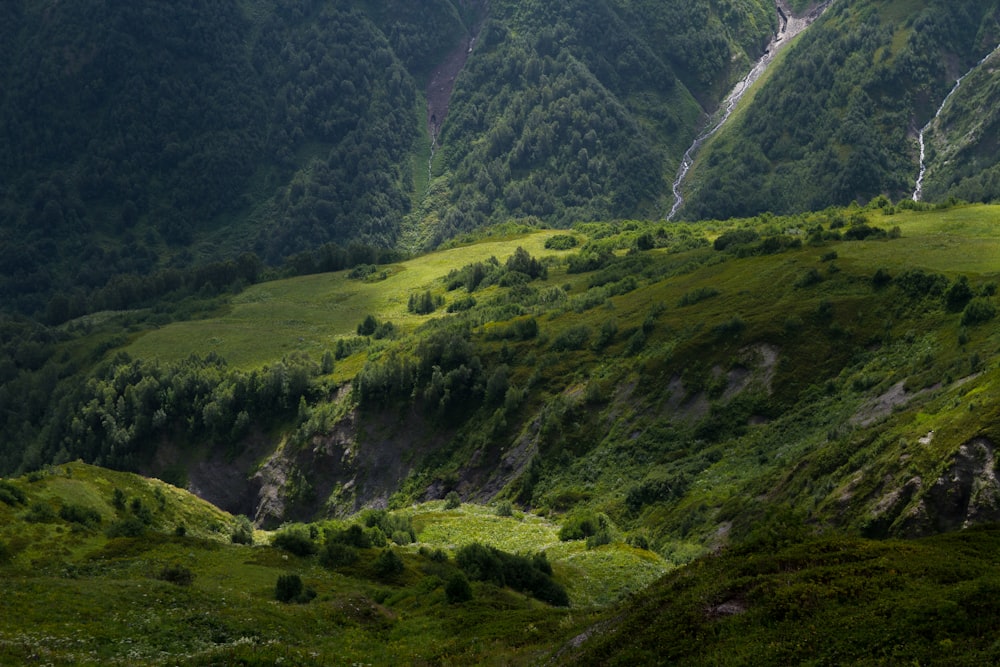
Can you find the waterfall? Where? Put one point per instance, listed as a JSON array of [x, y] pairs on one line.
[[788, 27], [918, 191]]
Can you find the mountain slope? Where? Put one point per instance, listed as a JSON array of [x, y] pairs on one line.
[[837, 122], [173, 133]]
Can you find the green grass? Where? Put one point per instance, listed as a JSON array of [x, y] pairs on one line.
[[307, 314]]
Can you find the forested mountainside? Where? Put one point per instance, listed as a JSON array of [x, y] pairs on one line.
[[839, 118], [169, 133]]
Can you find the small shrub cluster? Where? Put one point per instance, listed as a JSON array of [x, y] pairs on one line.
[[289, 588], [371, 326], [531, 575], [978, 311], [242, 531], [11, 495], [176, 574], [561, 242], [296, 539], [697, 295], [77, 514]]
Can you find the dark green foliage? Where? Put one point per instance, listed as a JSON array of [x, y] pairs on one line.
[[531, 575], [520, 329], [505, 508], [917, 283], [581, 525], [289, 588], [656, 489], [881, 279], [978, 311], [11, 495], [522, 262], [353, 536], [809, 278], [561, 242], [388, 564], [176, 574], [40, 512], [824, 129], [734, 238], [84, 516], [452, 501], [422, 304], [697, 295], [129, 526], [958, 294], [457, 589], [242, 531], [296, 540], [337, 554], [461, 305], [574, 338], [862, 231], [399, 527]]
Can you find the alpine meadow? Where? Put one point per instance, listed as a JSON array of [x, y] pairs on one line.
[[500, 332]]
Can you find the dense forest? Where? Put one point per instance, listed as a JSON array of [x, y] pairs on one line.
[[168, 134], [838, 120]]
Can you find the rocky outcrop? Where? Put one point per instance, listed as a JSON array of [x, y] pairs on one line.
[[967, 493]]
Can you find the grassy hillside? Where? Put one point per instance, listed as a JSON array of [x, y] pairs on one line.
[[76, 594], [655, 375]]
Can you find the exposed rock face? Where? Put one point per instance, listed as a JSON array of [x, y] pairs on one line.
[[967, 493]]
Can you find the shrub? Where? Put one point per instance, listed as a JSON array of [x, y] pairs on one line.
[[452, 501], [529, 575], [388, 564], [84, 516], [11, 495], [457, 589], [809, 278], [128, 527], [336, 554], [958, 295], [582, 525], [735, 237], [829, 256], [294, 539], [40, 512], [695, 296], [176, 574], [574, 338], [881, 279], [505, 508], [289, 588], [463, 304], [561, 242], [242, 531], [354, 536], [978, 310]]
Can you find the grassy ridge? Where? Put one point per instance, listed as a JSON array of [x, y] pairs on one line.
[[76, 596]]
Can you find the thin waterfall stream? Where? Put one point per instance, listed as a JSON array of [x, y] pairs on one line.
[[918, 191], [788, 27]]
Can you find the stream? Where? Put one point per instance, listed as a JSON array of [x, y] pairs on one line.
[[918, 191], [788, 27]]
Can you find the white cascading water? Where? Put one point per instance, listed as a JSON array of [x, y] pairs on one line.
[[918, 191], [787, 29]]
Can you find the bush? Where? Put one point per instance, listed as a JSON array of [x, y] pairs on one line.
[[388, 564], [505, 508], [457, 589], [452, 501], [809, 278], [128, 527], [582, 525], [881, 279], [561, 242], [242, 531], [176, 574], [574, 338], [336, 554], [735, 237], [978, 310], [698, 295], [84, 516], [40, 512], [958, 295], [11, 495], [529, 575], [289, 588], [296, 540]]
